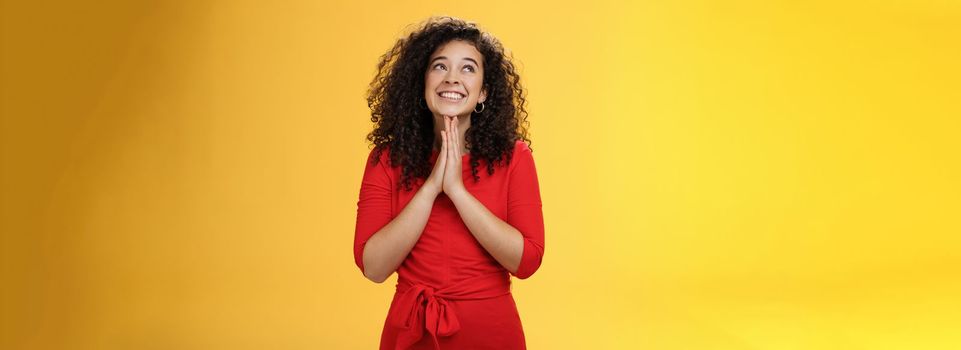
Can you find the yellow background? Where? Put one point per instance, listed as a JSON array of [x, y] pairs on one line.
[[715, 175]]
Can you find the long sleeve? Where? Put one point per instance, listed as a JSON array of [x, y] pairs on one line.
[[524, 209], [374, 204]]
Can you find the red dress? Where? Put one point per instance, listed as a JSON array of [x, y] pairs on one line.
[[451, 293]]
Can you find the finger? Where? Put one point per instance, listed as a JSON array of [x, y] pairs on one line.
[[446, 142], [443, 141], [450, 149], [457, 148], [442, 154], [452, 134], [450, 131]]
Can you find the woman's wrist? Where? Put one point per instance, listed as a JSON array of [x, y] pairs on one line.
[[457, 193], [430, 191]]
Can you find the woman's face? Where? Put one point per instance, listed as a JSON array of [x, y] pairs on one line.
[[454, 80]]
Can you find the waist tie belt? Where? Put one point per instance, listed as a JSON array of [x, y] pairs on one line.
[[419, 306]]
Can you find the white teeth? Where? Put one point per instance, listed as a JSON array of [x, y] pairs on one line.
[[451, 95]]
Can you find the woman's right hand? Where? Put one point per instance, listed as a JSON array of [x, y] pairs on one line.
[[435, 182]]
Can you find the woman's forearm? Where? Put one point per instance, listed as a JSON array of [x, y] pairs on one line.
[[387, 248], [504, 242]]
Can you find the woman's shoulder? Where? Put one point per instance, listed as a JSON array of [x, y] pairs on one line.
[[382, 154], [521, 145], [522, 149], [522, 153]]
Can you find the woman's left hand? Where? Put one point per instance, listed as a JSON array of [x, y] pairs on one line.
[[453, 176]]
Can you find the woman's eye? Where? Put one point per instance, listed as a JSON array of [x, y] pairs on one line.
[[469, 68], [439, 65]]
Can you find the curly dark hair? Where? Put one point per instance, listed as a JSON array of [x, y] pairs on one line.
[[403, 125]]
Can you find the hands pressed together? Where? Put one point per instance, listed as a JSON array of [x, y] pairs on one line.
[[447, 175]]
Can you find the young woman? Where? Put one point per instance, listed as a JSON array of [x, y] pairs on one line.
[[450, 196]]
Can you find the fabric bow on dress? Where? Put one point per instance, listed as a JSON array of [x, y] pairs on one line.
[[420, 307]]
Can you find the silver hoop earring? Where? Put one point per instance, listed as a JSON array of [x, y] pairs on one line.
[[481, 110]]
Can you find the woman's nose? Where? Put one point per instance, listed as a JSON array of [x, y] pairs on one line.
[[451, 78]]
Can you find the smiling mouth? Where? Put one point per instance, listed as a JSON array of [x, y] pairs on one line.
[[452, 96]]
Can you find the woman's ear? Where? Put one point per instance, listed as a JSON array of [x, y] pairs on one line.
[[483, 95]]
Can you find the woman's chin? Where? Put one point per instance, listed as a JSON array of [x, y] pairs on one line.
[[449, 111]]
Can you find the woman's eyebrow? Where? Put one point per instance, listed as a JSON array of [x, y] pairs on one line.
[[445, 57]]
